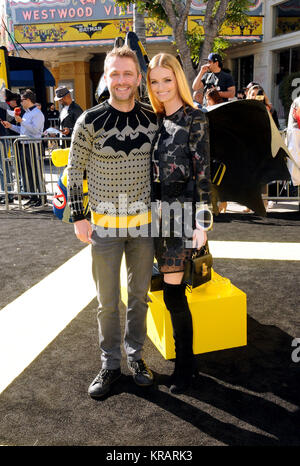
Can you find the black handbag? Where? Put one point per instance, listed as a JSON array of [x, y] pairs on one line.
[[198, 269]]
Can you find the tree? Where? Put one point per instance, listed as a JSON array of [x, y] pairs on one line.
[[192, 45], [139, 24]]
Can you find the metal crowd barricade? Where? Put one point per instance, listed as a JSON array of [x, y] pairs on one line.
[[283, 190], [27, 168]]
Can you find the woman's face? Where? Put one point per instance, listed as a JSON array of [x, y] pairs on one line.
[[209, 101], [252, 93], [163, 84]]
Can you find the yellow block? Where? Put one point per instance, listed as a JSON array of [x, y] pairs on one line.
[[219, 312]]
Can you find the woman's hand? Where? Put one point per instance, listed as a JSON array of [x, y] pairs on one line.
[[199, 238]]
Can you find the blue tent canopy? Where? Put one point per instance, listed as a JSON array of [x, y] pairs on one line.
[[24, 78]]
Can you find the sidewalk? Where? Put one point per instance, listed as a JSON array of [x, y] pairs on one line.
[[242, 396]]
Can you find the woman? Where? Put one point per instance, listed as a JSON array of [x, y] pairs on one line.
[[256, 92], [180, 155], [213, 97]]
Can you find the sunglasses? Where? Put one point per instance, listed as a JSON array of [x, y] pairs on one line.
[[23, 99]]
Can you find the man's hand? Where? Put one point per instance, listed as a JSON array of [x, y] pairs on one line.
[[18, 119], [83, 230], [6, 124], [66, 131], [204, 69], [197, 84]]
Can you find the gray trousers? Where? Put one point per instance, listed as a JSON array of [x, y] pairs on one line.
[[107, 256]]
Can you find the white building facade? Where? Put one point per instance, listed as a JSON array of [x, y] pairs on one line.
[[277, 56]]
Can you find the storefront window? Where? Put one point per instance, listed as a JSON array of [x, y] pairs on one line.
[[243, 71], [286, 17], [287, 69]]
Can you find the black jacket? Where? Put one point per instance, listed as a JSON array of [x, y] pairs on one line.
[[74, 111]]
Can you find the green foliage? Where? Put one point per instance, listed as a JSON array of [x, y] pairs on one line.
[[285, 91], [220, 45], [195, 42], [153, 8], [236, 13]]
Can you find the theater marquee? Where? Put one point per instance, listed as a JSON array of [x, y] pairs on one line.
[[76, 22]]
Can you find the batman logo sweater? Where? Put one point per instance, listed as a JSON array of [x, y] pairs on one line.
[[114, 149]]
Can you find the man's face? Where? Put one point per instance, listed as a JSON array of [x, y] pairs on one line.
[[66, 99], [26, 103], [122, 79], [213, 66], [12, 103]]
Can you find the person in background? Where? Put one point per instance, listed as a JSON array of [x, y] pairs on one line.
[[294, 114], [212, 76], [213, 97], [31, 126], [70, 111], [52, 116], [12, 100], [249, 85], [256, 92], [197, 98], [240, 94]]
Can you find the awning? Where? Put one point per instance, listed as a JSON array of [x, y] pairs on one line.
[[24, 78]]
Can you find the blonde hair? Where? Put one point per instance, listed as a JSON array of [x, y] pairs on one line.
[[123, 52], [170, 62]]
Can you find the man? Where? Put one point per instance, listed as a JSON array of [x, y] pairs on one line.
[[210, 76], [70, 111], [112, 143], [31, 126]]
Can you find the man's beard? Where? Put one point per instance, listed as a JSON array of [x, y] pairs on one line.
[[118, 98]]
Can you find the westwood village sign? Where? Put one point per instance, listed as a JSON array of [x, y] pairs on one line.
[[47, 11]]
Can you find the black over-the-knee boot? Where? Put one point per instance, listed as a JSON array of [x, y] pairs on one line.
[[176, 303]]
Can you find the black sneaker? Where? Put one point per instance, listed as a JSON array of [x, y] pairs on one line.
[[38, 204], [3, 200], [30, 203], [101, 384], [141, 373]]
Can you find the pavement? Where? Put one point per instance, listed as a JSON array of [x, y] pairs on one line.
[[245, 396]]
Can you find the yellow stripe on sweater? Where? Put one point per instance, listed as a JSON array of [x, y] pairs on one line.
[[129, 221]]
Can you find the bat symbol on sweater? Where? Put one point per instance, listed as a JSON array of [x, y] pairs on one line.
[[130, 142]]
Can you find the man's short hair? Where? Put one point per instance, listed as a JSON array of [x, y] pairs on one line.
[[28, 94], [215, 57], [123, 52]]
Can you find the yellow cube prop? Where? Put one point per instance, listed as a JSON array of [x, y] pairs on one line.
[[219, 312]]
